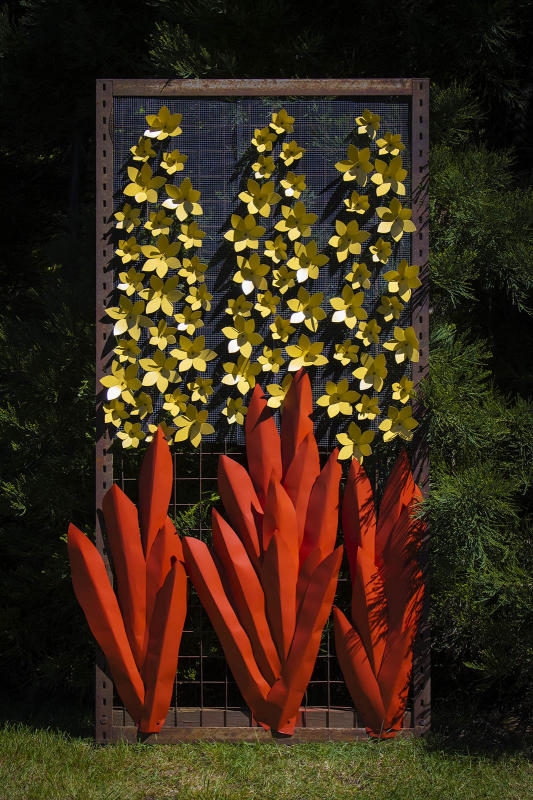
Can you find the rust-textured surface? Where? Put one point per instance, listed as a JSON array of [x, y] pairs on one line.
[[226, 723]]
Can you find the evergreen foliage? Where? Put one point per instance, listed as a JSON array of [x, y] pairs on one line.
[[480, 386]]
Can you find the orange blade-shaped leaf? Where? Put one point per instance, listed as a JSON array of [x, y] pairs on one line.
[[300, 478], [369, 608], [360, 679], [296, 422], [159, 669], [263, 449], [286, 694], [323, 511], [358, 515], [280, 571], [241, 503], [123, 535], [398, 493], [100, 606], [232, 636], [155, 488], [279, 515], [166, 548], [247, 594]]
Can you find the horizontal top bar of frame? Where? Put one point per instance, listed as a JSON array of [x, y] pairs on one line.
[[122, 87]]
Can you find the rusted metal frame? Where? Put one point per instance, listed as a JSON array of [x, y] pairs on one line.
[[421, 678], [262, 86], [104, 459], [418, 89]]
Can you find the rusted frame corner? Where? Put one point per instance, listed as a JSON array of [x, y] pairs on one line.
[[106, 91]]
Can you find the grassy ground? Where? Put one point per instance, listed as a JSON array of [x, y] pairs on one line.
[[38, 764]]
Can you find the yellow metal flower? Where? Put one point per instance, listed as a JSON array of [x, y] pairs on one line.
[[235, 411], [281, 329], [176, 402], [189, 320], [132, 435], [355, 444], [128, 218], [163, 124], [159, 370], [242, 374], [240, 305], [144, 185], [290, 152], [143, 150], [168, 431], [193, 353], [263, 139], [244, 232], [276, 250], [297, 221], [191, 235], [357, 203], [305, 354], [338, 399], [264, 167], [403, 279], [390, 307], [193, 270], [307, 261], [201, 389], [242, 336], [346, 352], [356, 165], [389, 176], [282, 122], [306, 308], [367, 407], [114, 413], [122, 382], [267, 303], [162, 336], [161, 295], [199, 298], [143, 405], [293, 185], [271, 360], [130, 317], [395, 220], [404, 345], [372, 372], [130, 282], [368, 123], [192, 425], [398, 423], [259, 198], [183, 199], [348, 308], [381, 251], [403, 390], [127, 350], [368, 332], [359, 277], [161, 256], [348, 239], [390, 145], [251, 273], [278, 391], [158, 223], [128, 250], [173, 162], [283, 278]]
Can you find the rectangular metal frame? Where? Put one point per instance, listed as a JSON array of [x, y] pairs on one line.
[[110, 726]]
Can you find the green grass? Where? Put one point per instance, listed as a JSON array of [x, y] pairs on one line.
[[38, 764]]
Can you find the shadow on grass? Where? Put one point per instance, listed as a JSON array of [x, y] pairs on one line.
[[64, 714]]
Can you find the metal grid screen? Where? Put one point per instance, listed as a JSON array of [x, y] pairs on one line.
[[216, 136]]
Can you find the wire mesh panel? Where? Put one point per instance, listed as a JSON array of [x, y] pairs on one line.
[[218, 124]]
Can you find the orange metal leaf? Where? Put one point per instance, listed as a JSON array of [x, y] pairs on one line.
[[358, 515], [155, 488], [241, 503], [296, 422], [322, 517], [165, 549], [263, 448]]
